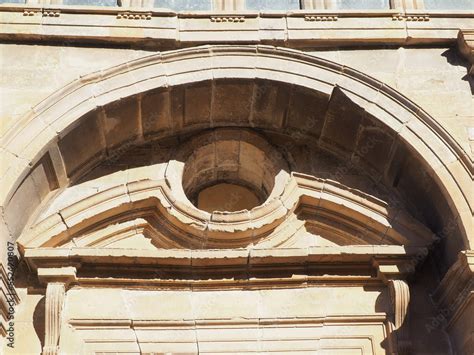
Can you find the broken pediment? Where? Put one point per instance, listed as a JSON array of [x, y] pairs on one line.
[[307, 205]]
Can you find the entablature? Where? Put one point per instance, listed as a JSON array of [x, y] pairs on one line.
[[153, 28], [232, 268]]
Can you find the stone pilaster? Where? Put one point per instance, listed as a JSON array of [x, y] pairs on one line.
[[314, 4], [229, 5], [407, 4]]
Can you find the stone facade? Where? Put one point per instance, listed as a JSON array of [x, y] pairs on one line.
[[132, 136]]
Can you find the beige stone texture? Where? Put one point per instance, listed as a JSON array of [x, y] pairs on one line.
[[352, 131]]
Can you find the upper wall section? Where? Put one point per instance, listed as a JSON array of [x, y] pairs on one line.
[[169, 24], [61, 113], [431, 77]]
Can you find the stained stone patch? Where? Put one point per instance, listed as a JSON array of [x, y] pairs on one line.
[[232, 102]]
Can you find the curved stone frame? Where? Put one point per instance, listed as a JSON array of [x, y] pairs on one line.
[[349, 213], [38, 131]]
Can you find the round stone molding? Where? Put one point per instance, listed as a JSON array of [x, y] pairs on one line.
[[232, 156]]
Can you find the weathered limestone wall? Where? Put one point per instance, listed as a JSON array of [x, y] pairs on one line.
[[111, 319], [434, 78], [29, 324], [30, 73]]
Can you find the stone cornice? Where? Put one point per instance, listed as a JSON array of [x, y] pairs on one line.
[[354, 265], [92, 323], [158, 29]]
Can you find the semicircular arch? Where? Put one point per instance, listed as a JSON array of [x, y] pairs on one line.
[[342, 96]]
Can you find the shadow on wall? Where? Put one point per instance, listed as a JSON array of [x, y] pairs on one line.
[[427, 333], [382, 305], [452, 57], [39, 320]]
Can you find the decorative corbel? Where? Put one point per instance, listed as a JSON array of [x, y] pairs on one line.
[[57, 281], [400, 297], [393, 273], [55, 292], [466, 47]]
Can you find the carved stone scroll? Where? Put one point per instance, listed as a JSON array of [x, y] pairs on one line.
[[400, 295], [55, 293]]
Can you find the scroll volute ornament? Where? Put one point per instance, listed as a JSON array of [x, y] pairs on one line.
[[55, 293], [400, 296]]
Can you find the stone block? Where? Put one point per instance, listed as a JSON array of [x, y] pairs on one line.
[[231, 102], [90, 302], [177, 107], [227, 153], [197, 103], [306, 111], [374, 145], [341, 126], [155, 112], [121, 122], [75, 152], [153, 305], [22, 204], [225, 305], [270, 104]]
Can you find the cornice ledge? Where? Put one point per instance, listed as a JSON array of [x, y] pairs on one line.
[[247, 13], [466, 47], [93, 323], [208, 262], [41, 258]]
